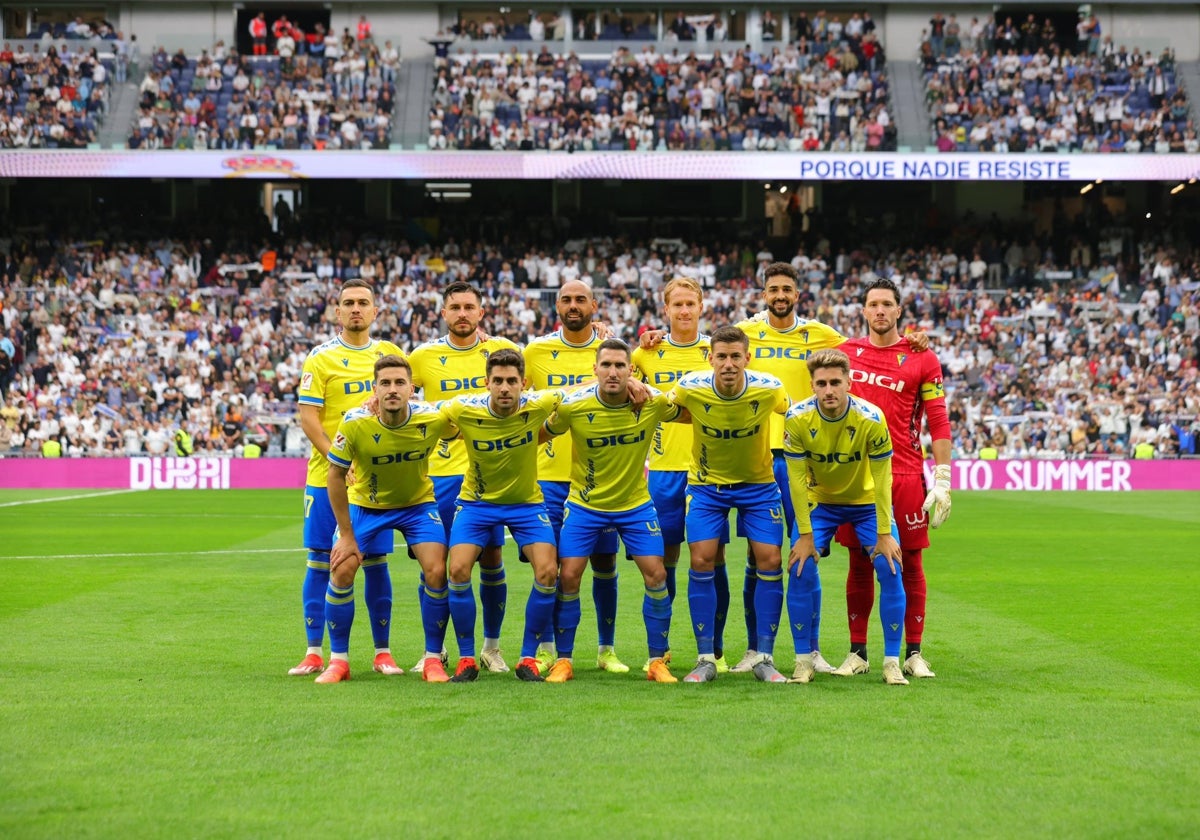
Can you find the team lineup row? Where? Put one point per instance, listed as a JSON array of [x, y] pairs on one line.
[[706, 414]]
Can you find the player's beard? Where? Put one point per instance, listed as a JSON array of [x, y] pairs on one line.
[[575, 323], [464, 329], [782, 308]]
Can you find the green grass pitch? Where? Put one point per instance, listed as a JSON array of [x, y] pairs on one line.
[[144, 640]]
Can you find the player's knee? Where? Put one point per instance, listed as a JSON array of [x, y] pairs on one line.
[[604, 562], [435, 575], [343, 575], [655, 577]]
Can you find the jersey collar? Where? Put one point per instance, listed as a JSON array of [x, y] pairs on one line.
[[454, 346], [738, 395], [563, 338], [349, 346]]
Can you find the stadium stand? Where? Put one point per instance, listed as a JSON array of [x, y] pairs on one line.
[[52, 98], [323, 92], [827, 93], [1006, 88], [109, 347]]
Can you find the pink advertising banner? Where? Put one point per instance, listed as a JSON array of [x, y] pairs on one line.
[[153, 473], [285, 473]]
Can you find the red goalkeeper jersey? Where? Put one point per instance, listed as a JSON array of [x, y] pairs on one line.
[[906, 386]]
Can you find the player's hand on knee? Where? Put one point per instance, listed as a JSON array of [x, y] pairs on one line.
[[888, 548], [650, 338], [801, 552], [344, 550]]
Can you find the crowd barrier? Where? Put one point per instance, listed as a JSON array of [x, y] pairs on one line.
[[289, 473]]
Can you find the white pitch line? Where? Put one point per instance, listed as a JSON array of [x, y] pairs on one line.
[[66, 498]]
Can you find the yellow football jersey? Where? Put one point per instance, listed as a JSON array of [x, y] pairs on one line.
[[608, 472], [783, 354], [731, 442], [391, 463], [838, 453], [501, 451], [661, 367], [336, 378], [553, 362], [443, 372]]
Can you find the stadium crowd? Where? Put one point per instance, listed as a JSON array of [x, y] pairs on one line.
[[1003, 88], [318, 90], [821, 91], [53, 98], [110, 347]]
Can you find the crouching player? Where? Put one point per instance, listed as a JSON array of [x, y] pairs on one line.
[[390, 456], [611, 439], [839, 456]]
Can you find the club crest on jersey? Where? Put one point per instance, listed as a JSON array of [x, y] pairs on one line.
[[421, 429], [704, 353], [485, 353], [804, 336], [852, 431], [375, 438], [900, 357], [524, 416], [754, 406], [345, 362]]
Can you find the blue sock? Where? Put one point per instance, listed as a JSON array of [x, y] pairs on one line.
[[768, 605], [891, 606], [493, 595], [749, 583], [721, 581], [421, 592], [339, 615], [567, 613], [799, 604], [539, 618], [656, 611], [312, 594], [604, 597], [702, 602], [379, 599], [462, 611], [815, 622], [671, 585], [435, 614]]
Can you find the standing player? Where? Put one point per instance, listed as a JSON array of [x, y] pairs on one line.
[[500, 430], [565, 358], [449, 367], [336, 377], [906, 387], [608, 490], [840, 459], [729, 408], [390, 455], [683, 350]]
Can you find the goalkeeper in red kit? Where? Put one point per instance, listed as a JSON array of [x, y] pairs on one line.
[[907, 387]]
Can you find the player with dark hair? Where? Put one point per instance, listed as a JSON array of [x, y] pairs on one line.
[[337, 376], [907, 387], [729, 408], [448, 367], [389, 452], [608, 493], [500, 431], [839, 456]]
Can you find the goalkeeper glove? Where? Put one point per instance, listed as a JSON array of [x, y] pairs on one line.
[[937, 502]]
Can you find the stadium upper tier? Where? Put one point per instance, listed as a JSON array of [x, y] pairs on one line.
[[809, 96], [52, 99], [244, 102]]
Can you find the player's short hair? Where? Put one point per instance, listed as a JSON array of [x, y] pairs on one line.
[[729, 335], [831, 358], [356, 283], [506, 358], [391, 360], [687, 283], [458, 287], [613, 344], [781, 269], [881, 283]]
